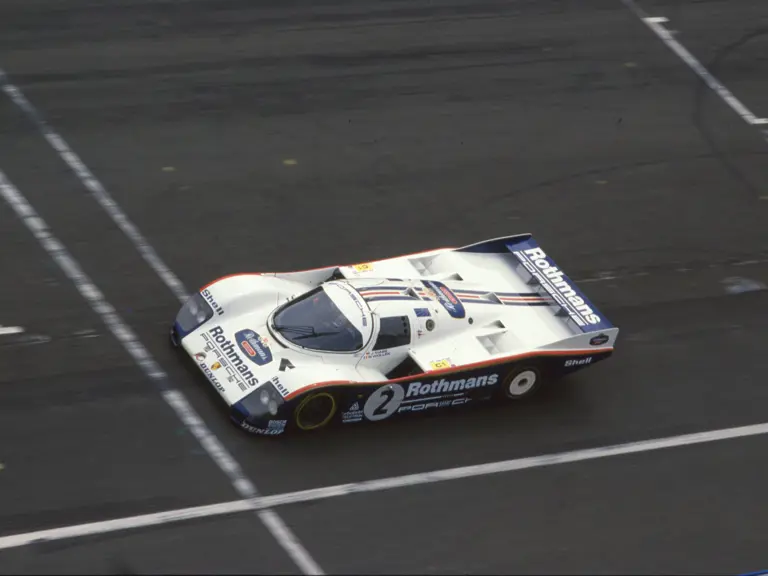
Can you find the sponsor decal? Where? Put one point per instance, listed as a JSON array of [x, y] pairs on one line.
[[422, 312], [363, 267], [215, 381], [578, 362], [285, 364], [442, 386], [200, 356], [433, 404], [446, 297], [376, 354], [210, 347], [212, 301], [393, 398], [599, 340], [254, 347], [444, 363], [274, 427], [354, 414], [280, 387], [228, 358], [551, 278], [358, 303]]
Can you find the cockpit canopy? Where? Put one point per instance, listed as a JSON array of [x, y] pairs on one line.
[[317, 321]]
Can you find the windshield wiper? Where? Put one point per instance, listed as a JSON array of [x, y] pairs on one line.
[[295, 328], [317, 334], [305, 331]]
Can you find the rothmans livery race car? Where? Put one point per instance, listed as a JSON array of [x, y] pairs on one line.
[[389, 338]]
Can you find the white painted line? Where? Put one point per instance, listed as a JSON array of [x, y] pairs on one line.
[[8, 330], [703, 73], [740, 285], [178, 401], [96, 189], [133, 522], [175, 399], [264, 503], [512, 465], [655, 24]]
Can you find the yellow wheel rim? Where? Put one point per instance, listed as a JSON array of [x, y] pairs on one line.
[[304, 404]]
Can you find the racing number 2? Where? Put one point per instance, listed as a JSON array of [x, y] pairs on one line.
[[383, 402]]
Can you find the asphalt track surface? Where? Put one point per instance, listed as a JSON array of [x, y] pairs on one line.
[[247, 136]]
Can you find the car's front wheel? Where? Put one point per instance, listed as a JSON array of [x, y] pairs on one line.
[[315, 411]]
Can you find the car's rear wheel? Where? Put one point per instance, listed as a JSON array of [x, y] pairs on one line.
[[522, 383], [315, 411]]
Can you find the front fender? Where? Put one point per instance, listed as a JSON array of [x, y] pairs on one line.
[[242, 294], [293, 388]]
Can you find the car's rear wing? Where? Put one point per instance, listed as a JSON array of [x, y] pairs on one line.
[[541, 273]]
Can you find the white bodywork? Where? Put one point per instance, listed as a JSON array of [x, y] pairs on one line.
[[505, 316]]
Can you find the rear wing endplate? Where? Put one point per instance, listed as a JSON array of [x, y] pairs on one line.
[[541, 273]]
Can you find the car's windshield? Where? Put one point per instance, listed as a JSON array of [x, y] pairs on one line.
[[313, 321]]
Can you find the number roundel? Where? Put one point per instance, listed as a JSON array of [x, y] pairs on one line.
[[383, 402]]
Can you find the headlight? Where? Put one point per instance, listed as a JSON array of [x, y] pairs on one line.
[[262, 401], [195, 312]]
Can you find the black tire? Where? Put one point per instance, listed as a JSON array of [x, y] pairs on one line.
[[322, 407], [522, 383]]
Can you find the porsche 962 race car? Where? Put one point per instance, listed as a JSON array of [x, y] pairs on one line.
[[389, 338]]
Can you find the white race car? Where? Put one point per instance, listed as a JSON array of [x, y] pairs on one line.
[[369, 342]]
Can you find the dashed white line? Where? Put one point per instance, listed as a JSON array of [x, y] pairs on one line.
[[740, 285], [264, 503], [175, 399], [8, 330], [180, 405], [96, 189], [274, 524], [655, 23]]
